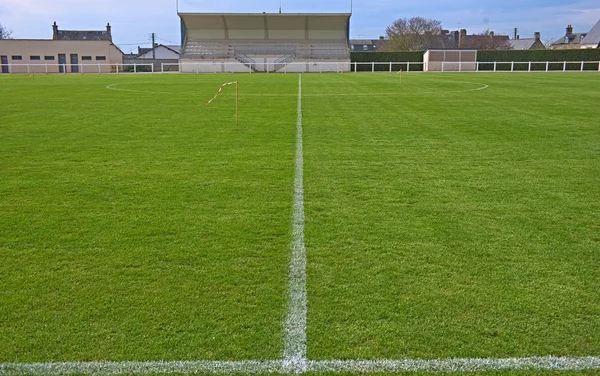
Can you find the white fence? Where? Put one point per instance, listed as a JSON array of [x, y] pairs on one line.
[[76, 68], [304, 67], [517, 66]]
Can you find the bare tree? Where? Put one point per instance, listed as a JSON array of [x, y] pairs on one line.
[[4, 32], [486, 41], [412, 34]]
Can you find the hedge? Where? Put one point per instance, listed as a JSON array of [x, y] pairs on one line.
[[540, 55], [504, 55]]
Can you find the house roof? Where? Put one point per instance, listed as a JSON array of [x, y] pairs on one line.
[[363, 41], [522, 44], [574, 38], [593, 37], [144, 50], [83, 35]]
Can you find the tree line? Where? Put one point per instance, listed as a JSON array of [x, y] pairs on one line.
[[418, 34], [4, 32]]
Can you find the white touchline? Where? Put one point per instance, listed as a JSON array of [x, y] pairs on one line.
[[457, 365], [294, 352]]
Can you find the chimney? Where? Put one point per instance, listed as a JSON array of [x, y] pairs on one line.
[[518, 37], [462, 36], [569, 29], [537, 35], [108, 32], [54, 31], [492, 34]]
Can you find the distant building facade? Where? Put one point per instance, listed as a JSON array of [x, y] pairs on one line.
[[67, 52]]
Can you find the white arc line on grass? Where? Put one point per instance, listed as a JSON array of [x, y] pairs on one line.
[[294, 353], [457, 365]]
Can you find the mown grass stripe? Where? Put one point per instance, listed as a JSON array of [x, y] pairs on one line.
[[295, 329]]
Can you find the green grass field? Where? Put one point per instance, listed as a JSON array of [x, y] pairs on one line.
[[452, 216]]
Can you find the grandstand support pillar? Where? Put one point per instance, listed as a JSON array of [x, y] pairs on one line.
[[266, 27], [225, 28], [306, 27]]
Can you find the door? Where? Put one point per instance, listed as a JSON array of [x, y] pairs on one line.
[[62, 60], [4, 62], [74, 63]]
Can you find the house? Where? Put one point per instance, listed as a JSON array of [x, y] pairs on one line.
[[159, 51], [592, 39], [162, 57], [366, 45], [67, 52], [579, 40], [534, 43]]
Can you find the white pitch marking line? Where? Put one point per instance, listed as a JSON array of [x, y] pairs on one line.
[[294, 353], [483, 87], [142, 368], [458, 365]]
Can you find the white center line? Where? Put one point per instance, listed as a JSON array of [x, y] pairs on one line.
[[294, 353]]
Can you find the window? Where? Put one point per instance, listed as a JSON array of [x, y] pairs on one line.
[[34, 58], [17, 57], [101, 58], [48, 57], [87, 58], [365, 47]]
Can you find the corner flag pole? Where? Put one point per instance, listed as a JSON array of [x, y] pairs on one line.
[[236, 97]]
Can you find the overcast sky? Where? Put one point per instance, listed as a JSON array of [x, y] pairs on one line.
[[134, 20]]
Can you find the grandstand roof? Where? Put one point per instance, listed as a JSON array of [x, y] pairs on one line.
[[266, 26]]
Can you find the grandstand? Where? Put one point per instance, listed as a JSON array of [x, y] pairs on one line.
[[264, 42]]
